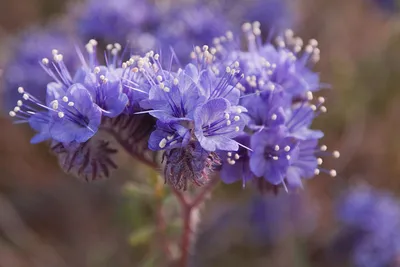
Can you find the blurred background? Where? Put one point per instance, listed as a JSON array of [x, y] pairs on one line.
[[48, 218]]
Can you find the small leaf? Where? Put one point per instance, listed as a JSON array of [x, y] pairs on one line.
[[141, 236]]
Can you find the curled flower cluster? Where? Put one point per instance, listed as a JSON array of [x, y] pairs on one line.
[[373, 219], [247, 113], [277, 90]]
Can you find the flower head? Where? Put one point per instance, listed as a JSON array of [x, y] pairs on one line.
[[374, 217], [189, 163], [190, 25], [114, 21], [22, 68]]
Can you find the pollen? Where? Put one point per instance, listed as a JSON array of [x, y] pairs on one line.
[[162, 143], [61, 115], [336, 154]]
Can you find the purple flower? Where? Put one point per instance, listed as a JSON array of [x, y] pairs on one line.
[[217, 123], [286, 65], [114, 21], [374, 216], [236, 164], [22, 68], [189, 25], [281, 159], [169, 136], [175, 96]]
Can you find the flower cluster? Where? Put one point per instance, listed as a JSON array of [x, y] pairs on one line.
[[373, 218], [277, 90], [247, 111], [77, 105]]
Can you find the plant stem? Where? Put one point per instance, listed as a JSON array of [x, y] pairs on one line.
[[189, 224]]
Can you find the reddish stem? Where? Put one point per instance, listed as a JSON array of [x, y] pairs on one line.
[[187, 211]]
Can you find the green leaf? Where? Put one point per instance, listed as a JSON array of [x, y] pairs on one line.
[[141, 236]]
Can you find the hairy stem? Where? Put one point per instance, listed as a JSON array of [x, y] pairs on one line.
[[189, 208]]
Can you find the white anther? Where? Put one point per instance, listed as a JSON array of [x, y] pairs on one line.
[[176, 81], [109, 46], [310, 95], [25, 96], [118, 46], [166, 89], [313, 107], [93, 42], [173, 143], [16, 109], [228, 122], [288, 157], [323, 109], [236, 64], [19, 103], [71, 104], [319, 161], [96, 70], [236, 118], [316, 171], [229, 35], [45, 61], [12, 113], [275, 158], [156, 56], [159, 78], [231, 162], [289, 33], [309, 49], [61, 115], [257, 31], [271, 86], [54, 52], [227, 116], [114, 51], [54, 104], [170, 137], [237, 156], [239, 110], [313, 42], [228, 69], [205, 47], [287, 148], [58, 58], [246, 27], [124, 65], [21, 90], [65, 99], [274, 117], [321, 99], [229, 154], [237, 129], [102, 77], [332, 173], [276, 148], [162, 143], [324, 148], [336, 154], [89, 48]]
